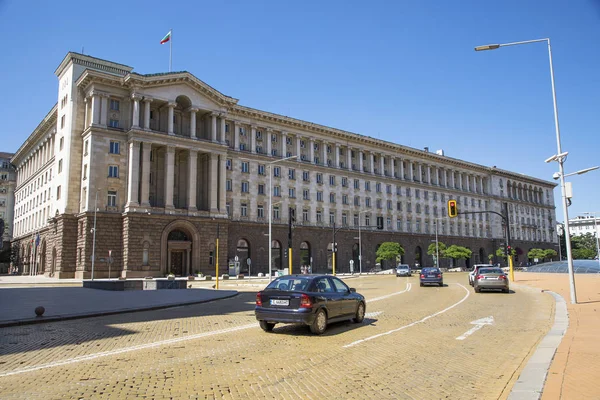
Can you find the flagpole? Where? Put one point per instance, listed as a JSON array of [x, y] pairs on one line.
[[171, 50]]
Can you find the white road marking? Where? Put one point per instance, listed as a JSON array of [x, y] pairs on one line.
[[480, 323], [408, 287], [373, 314], [413, 323], [126, 349]]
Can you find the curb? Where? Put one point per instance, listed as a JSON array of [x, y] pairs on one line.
[[56, 318], [530, 384]]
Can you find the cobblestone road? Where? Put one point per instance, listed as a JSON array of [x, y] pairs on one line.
[[405, 349]]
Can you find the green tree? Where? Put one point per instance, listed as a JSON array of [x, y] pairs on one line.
[[536, 253], [583, 247], [432, 251], [457, 252], [389, 251], [550, 253], [501, 252]]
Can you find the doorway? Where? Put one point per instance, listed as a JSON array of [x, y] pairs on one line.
[[177, 263]]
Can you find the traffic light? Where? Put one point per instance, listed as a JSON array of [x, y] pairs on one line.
[[452, 208], [292, 215], [508, 250], [380, 223]]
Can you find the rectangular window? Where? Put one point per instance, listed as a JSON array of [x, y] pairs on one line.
[[368, 202], [344, 199], [61, 143], [417, 193], [59, 166], [260, 211], [228, 164], [305, 176], [277, 191], [332, 180], [305, 215], [114, 105], [85, 147], [261, 189], [114, 147], [243, 210], [112, 198], [85, 172], [113, 123], [62, 121], [344, 219], [378, 187], [367, 186], [356, 184], [378, 203], [245, 187], [319, 216], [407, 192], [277, 172], [228, 185], [426, 194], [113, 171], [292, 192], [344, 182], [58, 192], [332, 197], [306, 194], [319, 196], [319, 178], [276, 212], [292, 173], [245, 166]]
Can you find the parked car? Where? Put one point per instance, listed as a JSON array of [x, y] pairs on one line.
[[314, 300], [491, 278], [403, 270], [475, 270], [432, 276]]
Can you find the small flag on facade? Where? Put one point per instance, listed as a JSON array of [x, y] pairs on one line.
[[166, 38], [37, 240]]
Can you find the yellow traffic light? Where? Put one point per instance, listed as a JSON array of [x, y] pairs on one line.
[[452, 208]]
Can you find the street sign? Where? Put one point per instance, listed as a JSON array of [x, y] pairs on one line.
[[248, 261], [109, 253], [236, 258]]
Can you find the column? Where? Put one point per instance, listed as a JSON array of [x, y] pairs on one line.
[[336, 157], [134, 177], [213, 127], [222, 179], [382, 164], [147, 113], [169, 175], [85, 114], [192, 178], [214, 181], [428, 167], [311, 150], [236, 136], [95, 119], [298, 148], [135, 123], [283, 144], [372, 162], [104, 110], [452, 179], [222, 140], [325, 155], [349, 158], [401, 168], [146, 149], [253, 139], [420, 172], [410, 171], [193, 112], [269, 140], [360, 161], [170, 122]]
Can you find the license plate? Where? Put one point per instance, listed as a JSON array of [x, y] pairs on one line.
[[431, 276], [277, 302]]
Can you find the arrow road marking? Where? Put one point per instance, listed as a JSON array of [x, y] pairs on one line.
[[479, 323]]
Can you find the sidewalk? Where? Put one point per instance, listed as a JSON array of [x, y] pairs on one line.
[[19, 296], [575, 369]]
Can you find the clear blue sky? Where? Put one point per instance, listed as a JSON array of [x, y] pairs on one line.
[[403, 71]]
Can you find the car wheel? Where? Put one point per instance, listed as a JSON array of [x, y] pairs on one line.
[[420, 284], [442, 284], [506, 290], [360, 313], [266, 326], [477, 290], [320, 323]]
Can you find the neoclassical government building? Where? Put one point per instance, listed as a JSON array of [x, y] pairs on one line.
[[163, 164]]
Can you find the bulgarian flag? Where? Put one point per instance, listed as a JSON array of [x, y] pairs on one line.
[[166, 38]]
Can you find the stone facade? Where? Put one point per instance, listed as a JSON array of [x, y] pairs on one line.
[[164, 161]]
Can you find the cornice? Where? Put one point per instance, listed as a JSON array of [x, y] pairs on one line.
[[48, 121]]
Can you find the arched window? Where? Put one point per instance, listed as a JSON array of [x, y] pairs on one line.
[[178, 235]]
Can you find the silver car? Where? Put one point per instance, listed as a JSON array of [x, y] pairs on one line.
[[490, 278], [403, 270]]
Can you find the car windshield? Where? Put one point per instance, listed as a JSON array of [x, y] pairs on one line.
[[431, 271], [490, 271], [289, 283]]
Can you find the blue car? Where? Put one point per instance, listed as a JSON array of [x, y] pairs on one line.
[[431, 276], [313, 300]]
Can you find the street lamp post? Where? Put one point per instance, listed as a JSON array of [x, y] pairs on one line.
[[360, 244], [437, 249], [270, 164], [596, 235], [559, 157], [94, 235]]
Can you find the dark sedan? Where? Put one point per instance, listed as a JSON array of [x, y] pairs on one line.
[[314, 300], [431, 276]]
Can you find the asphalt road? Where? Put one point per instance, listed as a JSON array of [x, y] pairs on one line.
[[415, 343]]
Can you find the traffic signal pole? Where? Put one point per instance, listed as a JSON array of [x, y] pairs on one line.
[[508, 248]]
